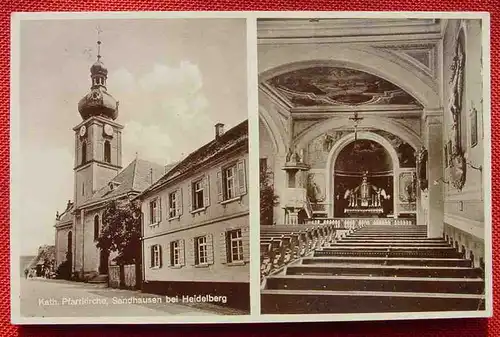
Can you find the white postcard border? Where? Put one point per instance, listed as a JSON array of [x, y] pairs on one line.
[[255, 316]]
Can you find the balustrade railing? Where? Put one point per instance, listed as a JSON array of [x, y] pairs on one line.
[[361, 222]]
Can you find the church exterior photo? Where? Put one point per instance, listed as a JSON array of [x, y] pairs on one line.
[[99, 179], [372, 150], [145, 167], [195, 213]]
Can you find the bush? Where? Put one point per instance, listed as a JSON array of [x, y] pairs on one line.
[[63, 272]]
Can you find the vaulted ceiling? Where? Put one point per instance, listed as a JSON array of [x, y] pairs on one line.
[[323, 86]]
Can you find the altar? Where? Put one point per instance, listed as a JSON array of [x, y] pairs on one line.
[[365, 200]]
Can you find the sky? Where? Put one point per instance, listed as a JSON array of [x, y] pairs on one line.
[[174, 80]]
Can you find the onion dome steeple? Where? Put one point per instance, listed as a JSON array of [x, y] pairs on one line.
[[98, 102]]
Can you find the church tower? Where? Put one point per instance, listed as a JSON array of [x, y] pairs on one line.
[[98, 143]]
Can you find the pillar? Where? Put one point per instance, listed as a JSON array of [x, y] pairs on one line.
[[433, 131], [279, 182]]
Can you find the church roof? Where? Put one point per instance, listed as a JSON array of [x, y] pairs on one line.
[[136, 177], [66, 216], [231, 139]]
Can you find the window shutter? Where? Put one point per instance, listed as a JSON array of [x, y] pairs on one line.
[[182, 261], [190, 196], [242, 183], [158, 218], [167, 207], [219, 186], [169, 253], [206, 191], [245, 235], [151, 256], [191, 252], [161, 255], [223, 247], [210, 249], [179, 202]]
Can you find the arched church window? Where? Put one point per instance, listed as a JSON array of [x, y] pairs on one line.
[[96, 227], [107, 152], [84, 153]]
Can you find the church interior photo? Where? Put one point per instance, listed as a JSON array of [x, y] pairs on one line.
[[373, 167]]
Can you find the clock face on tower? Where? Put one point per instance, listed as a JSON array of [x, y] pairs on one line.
[[108, 130], [83, 131]]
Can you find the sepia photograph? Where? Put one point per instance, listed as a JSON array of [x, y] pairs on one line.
[[374, 166], [153, 153], [132, 145]]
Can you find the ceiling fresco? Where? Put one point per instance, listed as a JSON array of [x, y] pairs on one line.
[[327, 86]]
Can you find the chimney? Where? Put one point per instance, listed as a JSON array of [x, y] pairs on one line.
[[219, 130]]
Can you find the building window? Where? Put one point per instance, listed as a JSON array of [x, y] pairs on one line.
[[156, 256], [235, 241], [96, 227], [228, 182], [198, 194], [175, 253], [83, 189], [84, 153], [154, 211], [201, 250], [231, 181], [173, 204], [107, 151]]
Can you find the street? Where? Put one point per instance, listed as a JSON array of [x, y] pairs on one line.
[[58, 298]]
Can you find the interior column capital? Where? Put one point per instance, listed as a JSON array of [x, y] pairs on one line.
[[433, 116]]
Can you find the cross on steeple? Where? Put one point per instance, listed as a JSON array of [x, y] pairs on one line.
[[99, 31]]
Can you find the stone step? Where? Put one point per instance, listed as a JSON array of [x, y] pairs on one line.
[[102, 278], [394, 235], [391, 230], [274, 301], [377, 283], [355, 237], [390, 235], [420, 253], [390, 244], [350, 239], [389, 261], [379, 270], [362, 247]]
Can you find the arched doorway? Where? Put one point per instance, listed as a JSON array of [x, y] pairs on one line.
[[363, 180], [104, 261]]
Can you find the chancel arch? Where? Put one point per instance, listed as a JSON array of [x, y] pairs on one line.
[[340, 146]]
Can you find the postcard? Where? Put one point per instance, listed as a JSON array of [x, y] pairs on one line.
[[229, 167]]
